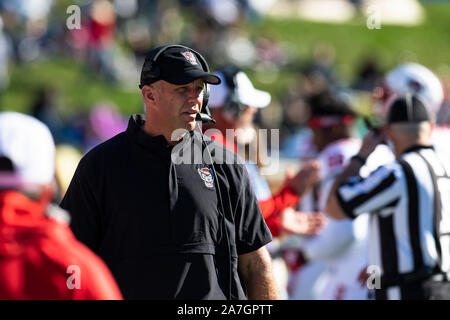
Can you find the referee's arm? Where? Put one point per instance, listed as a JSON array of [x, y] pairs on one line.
[[333, 209]]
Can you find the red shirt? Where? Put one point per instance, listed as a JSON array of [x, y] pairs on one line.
[[41, 259]]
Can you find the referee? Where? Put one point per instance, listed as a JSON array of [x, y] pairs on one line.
[[408, 201]]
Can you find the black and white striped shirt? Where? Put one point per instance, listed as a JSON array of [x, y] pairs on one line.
[[402, 229]]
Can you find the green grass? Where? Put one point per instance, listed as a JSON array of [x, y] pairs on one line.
[[79, 88]]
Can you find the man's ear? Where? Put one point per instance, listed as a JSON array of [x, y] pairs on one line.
[[148, 93]]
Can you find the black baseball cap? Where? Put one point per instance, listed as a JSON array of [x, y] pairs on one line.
[[327, 103], [407, 109], [177, 65], [327, 110]]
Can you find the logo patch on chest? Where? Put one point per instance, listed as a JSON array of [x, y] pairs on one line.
[[207, 177]]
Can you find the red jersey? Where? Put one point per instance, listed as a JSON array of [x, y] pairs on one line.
[[41, 259]]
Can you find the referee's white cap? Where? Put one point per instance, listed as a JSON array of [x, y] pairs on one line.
[[418, 80]]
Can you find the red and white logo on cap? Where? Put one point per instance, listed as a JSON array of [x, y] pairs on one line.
[[190, 57]]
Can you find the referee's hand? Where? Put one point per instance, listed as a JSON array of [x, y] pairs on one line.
[[370, 142]]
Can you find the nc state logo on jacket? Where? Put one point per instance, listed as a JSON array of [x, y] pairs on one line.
[[190, 57], [205, 174]]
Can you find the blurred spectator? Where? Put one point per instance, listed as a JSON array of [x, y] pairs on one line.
[[5, 52], [369, 75], [104, 122], [44, 109], [239, 49], [295, 110], [204, 33], [27, 23], [102, 28], [94, 43], [319, 72], [138, 37], [126, 8], [225, 12], [169, 22], [268, 51]]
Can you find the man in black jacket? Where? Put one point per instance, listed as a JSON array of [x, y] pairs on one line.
[[170, 228]]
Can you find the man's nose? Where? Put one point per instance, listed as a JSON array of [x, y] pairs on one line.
[[195, 96]]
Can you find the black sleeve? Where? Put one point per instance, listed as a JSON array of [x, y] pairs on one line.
[[82, 202], [251, 230]]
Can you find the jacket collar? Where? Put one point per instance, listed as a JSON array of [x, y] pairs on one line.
[[137, 134], [417, 147]]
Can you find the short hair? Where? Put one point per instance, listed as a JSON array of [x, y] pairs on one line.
[[411, 130]]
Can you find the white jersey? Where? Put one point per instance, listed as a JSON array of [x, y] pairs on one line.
[[339, 252]]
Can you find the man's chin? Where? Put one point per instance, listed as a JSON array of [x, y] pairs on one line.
[[190, 125]]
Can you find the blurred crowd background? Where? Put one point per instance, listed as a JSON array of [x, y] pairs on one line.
[[83, 82]]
